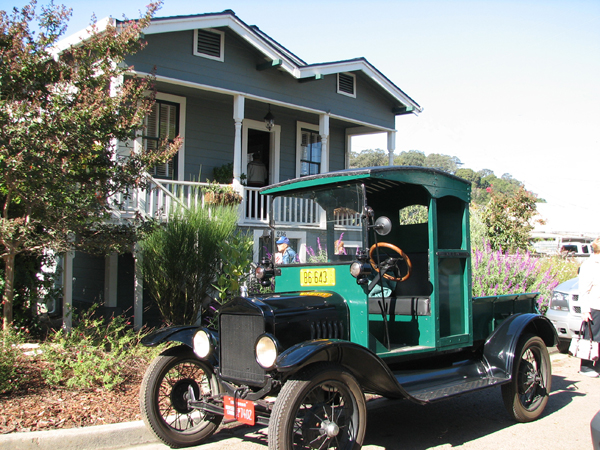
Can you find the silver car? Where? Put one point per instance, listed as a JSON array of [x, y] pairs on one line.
[[564, 311], [595, 426]]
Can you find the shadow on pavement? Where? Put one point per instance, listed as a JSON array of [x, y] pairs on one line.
[[407, 426]]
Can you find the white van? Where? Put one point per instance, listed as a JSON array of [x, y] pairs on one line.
[[564, 311]]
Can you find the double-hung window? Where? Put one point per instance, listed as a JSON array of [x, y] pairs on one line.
[[310, 153], [162, 123]]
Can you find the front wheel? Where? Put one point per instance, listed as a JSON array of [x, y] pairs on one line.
[[324, 408], [164, 394], [526, 396]]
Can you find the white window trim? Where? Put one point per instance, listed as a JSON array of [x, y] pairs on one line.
[[353, 95], [299, 127], [203, 55]]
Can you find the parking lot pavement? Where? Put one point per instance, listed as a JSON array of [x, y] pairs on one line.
[[476, 421]]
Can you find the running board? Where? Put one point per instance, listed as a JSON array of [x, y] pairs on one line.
[[439, 384]]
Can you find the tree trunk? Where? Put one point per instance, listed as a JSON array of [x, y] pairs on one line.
[[9, 292]]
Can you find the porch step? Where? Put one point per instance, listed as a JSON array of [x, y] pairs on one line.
[[445, 382]]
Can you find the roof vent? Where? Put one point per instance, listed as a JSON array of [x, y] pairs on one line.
[[209, 44], [346, 84]]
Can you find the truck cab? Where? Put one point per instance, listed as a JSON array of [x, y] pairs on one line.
[[376, 300]]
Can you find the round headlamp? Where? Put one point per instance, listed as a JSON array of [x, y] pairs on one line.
[[266, 351], [202, 345], [356, 269]]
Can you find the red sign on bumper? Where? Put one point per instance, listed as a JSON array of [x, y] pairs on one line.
[[240, 410]]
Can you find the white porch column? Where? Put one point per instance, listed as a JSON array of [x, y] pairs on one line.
[[138, 289], [111, 270], [238, 117], [68, 290], [324, 132], [391, 146]]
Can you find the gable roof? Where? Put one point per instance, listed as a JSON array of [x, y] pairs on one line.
[[270, 48]]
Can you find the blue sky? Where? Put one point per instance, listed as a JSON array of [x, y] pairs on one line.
[[510, 86]]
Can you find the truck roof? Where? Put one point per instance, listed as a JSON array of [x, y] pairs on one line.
[[437, 182]]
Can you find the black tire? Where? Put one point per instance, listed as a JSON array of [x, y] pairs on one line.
[[322, 408], [526, 396], [563, 346], [164, 394]]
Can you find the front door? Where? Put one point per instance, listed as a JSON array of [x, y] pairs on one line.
[[258, 157]]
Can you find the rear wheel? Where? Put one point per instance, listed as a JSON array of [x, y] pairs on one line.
[[164, 394], [323, 409], [526, 396]]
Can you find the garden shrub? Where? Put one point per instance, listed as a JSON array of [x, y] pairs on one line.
[[94, 353], [9, 360], [496, 273], [236, 265], [182, 259]]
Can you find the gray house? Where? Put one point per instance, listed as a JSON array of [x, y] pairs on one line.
[[238, 97]]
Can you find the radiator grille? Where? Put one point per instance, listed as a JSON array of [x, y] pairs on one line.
[[238, 335]]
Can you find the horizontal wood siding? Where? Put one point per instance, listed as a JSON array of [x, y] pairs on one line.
[[337, 149], [172, 55], [209, 137]]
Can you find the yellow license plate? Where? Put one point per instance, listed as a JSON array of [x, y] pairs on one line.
[[317, 277]]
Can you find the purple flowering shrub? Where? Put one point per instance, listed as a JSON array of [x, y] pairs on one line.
[[320, 255], [496, 273]]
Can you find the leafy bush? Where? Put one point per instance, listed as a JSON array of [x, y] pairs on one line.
[[223, 174], [509, 219], [94, 353], [236, 263], [496, 273], [9, 360]]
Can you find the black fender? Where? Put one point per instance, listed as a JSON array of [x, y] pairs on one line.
[[369, 370], [183, 334], [500, 348]]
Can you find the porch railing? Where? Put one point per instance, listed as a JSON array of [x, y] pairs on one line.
[[162, 195]]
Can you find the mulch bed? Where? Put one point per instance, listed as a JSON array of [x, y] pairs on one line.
[[36, 406]]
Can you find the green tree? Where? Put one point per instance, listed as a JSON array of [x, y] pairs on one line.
[[509, 219], [410, 158], [469, 175], [61, 113], [442, 162], [369, 158]]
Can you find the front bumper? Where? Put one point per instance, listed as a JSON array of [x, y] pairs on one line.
[[566, 323]]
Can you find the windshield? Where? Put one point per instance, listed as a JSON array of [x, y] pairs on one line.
[[318, 226]]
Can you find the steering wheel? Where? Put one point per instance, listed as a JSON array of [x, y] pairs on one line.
[[390, 263]]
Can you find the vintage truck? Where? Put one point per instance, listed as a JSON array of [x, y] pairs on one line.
[[385, 311]]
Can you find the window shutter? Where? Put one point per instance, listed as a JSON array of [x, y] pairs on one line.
[[346, 84], [209, 43]]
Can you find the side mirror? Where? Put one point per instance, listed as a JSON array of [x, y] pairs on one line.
[[383, 226]]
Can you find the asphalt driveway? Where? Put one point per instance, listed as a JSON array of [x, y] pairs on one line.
[[475, 421]]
